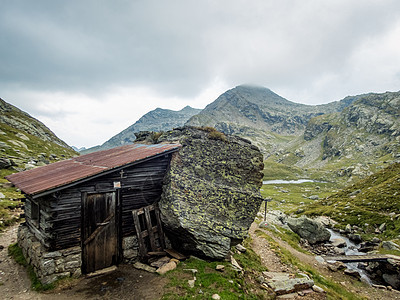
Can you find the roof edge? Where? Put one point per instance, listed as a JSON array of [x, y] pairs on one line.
[[108, 171]]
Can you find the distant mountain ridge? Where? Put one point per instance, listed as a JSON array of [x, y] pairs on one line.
[[342, 137], [260, 108], [156, 120], [261, 115]]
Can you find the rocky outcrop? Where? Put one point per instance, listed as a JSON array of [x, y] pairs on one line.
[[311, 230], [211, 192], [385, 272]]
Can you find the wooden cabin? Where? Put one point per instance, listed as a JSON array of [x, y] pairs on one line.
[[87, 205]]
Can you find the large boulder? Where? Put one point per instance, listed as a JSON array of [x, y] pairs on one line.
[[211, 191], [309, 229]]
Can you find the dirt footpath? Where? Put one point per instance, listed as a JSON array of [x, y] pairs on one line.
[[129, 283], [273, 263], [124, 283]]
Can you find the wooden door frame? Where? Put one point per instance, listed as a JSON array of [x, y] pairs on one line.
[[118, 220]]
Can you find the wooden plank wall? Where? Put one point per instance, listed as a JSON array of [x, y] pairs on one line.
[[60, 220]]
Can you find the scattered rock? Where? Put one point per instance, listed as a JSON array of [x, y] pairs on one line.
[[393, 280], [389, 245], [348, 228], [141, 266], [313, 231], [314, 197], [6, 163], [171, 265], [326, 221], [22, 136], [352, 273], [355, 237], [284, 283], [220, 268], [382, 228], [354, 193], [235, 264], [2, 196], [339, 251], [376, 240], [216, 297], [275, 217], [367, 246], [337, 266], [160, 262], [339, 242], [240, 248], [318, 289], [191, 283]]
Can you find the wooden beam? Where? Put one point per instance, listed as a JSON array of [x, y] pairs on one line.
[[150, 228]]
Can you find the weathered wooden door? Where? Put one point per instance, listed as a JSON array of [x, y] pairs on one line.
[[99, 231]]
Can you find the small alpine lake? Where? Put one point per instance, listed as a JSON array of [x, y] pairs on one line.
[[298, 181]]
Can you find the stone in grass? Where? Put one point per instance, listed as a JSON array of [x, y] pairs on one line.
[[216, 297], [290, 285], [282, 283], [356, 238], [318, 289], [191, 283], [336, 266], [220, 268], [240, 248], [389, 245]]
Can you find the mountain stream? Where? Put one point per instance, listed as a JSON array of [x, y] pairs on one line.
[[351, 249]]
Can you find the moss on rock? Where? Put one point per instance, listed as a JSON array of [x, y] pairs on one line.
[[211, 191]]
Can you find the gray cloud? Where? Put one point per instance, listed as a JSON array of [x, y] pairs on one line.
[[309, 51]]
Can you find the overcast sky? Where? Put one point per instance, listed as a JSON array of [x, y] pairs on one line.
[[89, 69]]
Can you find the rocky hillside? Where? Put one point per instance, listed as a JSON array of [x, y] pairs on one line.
[[367, 204], [353, 143], [156, 120], [26, 142], [267, 119]]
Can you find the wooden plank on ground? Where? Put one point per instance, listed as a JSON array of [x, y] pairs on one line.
[[175, 254]]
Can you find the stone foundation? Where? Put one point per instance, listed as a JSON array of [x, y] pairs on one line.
[[130, 249], [49, 266]]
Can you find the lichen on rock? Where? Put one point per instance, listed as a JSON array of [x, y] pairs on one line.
[[211, 191]]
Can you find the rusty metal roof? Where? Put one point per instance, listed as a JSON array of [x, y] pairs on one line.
[[41, 179]]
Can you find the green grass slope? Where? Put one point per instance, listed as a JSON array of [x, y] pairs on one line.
[[367, 204]]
